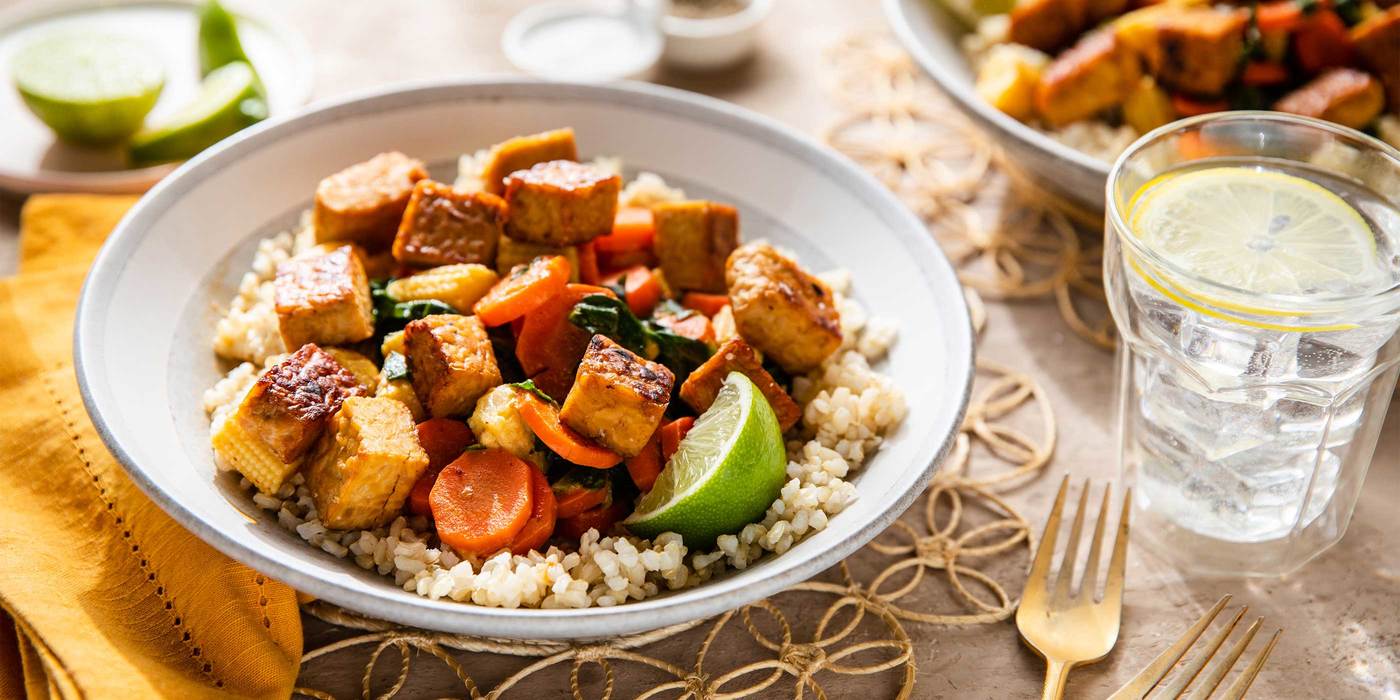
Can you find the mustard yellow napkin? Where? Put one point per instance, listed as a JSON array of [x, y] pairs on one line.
[[103, 595]]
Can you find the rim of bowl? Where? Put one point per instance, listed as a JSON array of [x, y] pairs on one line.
[[385, 602], [139, 179], [968, 100], [706, 27]]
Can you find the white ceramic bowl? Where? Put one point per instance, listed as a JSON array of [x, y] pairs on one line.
[[149, 307], [712, 43], [933, 36]]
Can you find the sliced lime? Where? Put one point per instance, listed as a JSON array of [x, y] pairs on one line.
[[228, 100], [219, 44], [1261, 231], [89, 88], [726, 472]]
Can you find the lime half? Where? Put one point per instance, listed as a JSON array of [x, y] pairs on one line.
[[1260, 231], [228, 100], [89, 88], [726, 472]]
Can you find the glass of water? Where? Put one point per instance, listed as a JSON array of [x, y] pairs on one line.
[[1252, 266]]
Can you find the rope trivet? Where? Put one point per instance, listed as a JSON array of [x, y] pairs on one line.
[[902, 130]]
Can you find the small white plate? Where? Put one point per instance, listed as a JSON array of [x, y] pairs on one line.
[[149, 307], [32, 159]]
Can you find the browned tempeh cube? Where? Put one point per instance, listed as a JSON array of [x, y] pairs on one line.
[[618, 398], [1378, 44], [444, 226], [1343, 95], [693, 240], [364, 202], [1197, 49], [561, 203], [701, 388], [1093, 75], [452, 363], [288, 406], [780, 309], [1048, 25], [523, 152], [323, 298], [365, 464]]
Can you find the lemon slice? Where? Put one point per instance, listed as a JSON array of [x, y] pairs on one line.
[[1260, 231]]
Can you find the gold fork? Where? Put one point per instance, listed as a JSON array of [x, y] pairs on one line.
[[1067, 629], [1149, 677]]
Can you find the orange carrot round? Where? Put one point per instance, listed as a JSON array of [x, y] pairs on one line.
[[601, 519], [641, 288], [523, 290], [540, 526], [1264, 73], [708, 304], [579, 500], [633, 229], [696, 327], [444, 439], [482, 500], [588, 264], [543, 419], [1282, 16], [646, 466], [671, 435], [549, 346]]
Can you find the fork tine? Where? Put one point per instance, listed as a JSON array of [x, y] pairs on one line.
[[1149, 677], [1089, 583], [1241, 685], [1192, 668], [1113, 587], [1038, 580], [1221, 666], [1076, 530]]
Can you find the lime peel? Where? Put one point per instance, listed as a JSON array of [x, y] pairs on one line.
[[89, 88]]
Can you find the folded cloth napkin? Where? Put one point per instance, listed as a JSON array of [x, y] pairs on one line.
[[103, 595]]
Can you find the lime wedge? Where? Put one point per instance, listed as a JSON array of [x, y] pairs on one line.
[[228, 100], [89, 88], [725, 473], [1260, 231], [219, 44]]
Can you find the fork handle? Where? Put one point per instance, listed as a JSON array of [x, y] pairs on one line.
[[1056, 673]]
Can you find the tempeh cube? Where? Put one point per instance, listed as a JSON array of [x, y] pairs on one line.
[[445, 226], [283, 414], [365, 202], [323, 298], [701, 388], [561, 203], [365, 464], [618, 398], [781, 309], [452, 363], [459, 286], [693, 239], [523, 152]]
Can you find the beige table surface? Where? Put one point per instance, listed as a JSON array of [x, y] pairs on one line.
[[1341, 613]]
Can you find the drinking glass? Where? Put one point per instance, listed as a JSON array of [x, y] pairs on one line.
[[1246, 421]]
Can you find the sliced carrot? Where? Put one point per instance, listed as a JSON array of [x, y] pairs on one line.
[[1189, 106], [540, 526], [444, 440], [695, 327], [613, 263], [1282, 16], [601, 519], [1323, 42], [523, 290], [588, 264], [1264, 73], [671, 435], [482, 500], [708, 304], [549, 346], [646, 466], [641, 288], [633, 229], [516, 325], [543, 419], [581, 489]]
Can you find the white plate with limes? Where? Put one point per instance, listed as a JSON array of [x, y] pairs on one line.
[[34, 159], [148, 311]]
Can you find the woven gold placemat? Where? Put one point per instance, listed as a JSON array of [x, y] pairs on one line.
[[958, 557]]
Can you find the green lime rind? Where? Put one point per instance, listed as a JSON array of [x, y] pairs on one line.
[[91, 89], [219, 43], [228, 101], [725, 474]]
